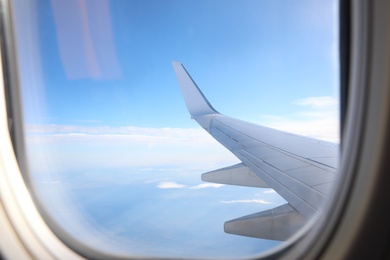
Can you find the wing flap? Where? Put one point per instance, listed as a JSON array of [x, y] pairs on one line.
[[278, 223], [237, 174]]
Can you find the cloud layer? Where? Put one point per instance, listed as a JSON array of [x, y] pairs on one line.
[[318, 102], [70, 147], [170, 185], [318, 117], [175, 185], [67, 147], [246, 201]]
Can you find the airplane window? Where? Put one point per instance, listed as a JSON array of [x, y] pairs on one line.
[[115, 160]]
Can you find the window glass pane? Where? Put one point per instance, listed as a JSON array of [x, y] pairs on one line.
[[112, 152]]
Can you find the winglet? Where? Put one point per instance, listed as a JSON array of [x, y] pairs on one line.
[[196, 102]]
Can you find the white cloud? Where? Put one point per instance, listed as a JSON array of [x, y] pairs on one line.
[[155, 180], [206, 185], [317, 118], [269, 191], [151, 136], [66, 147], [317, 102], [175, 185], [170, 185], [245, 201]]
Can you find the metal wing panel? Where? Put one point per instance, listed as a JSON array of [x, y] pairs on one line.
[[294, 177], [305, 147], [296, 194]]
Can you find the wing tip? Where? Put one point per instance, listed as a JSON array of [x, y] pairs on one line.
[[196, 102], [175, 62]]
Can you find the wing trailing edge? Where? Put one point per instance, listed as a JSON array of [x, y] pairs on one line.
[[279, 223], [237, 174]]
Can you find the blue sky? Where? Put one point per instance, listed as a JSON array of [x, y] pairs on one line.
[[262, 55], [101, 99]]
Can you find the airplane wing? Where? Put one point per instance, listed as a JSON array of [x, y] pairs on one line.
[[300, 169]]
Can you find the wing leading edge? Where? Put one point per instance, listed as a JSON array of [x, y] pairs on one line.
[[300, 169]]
